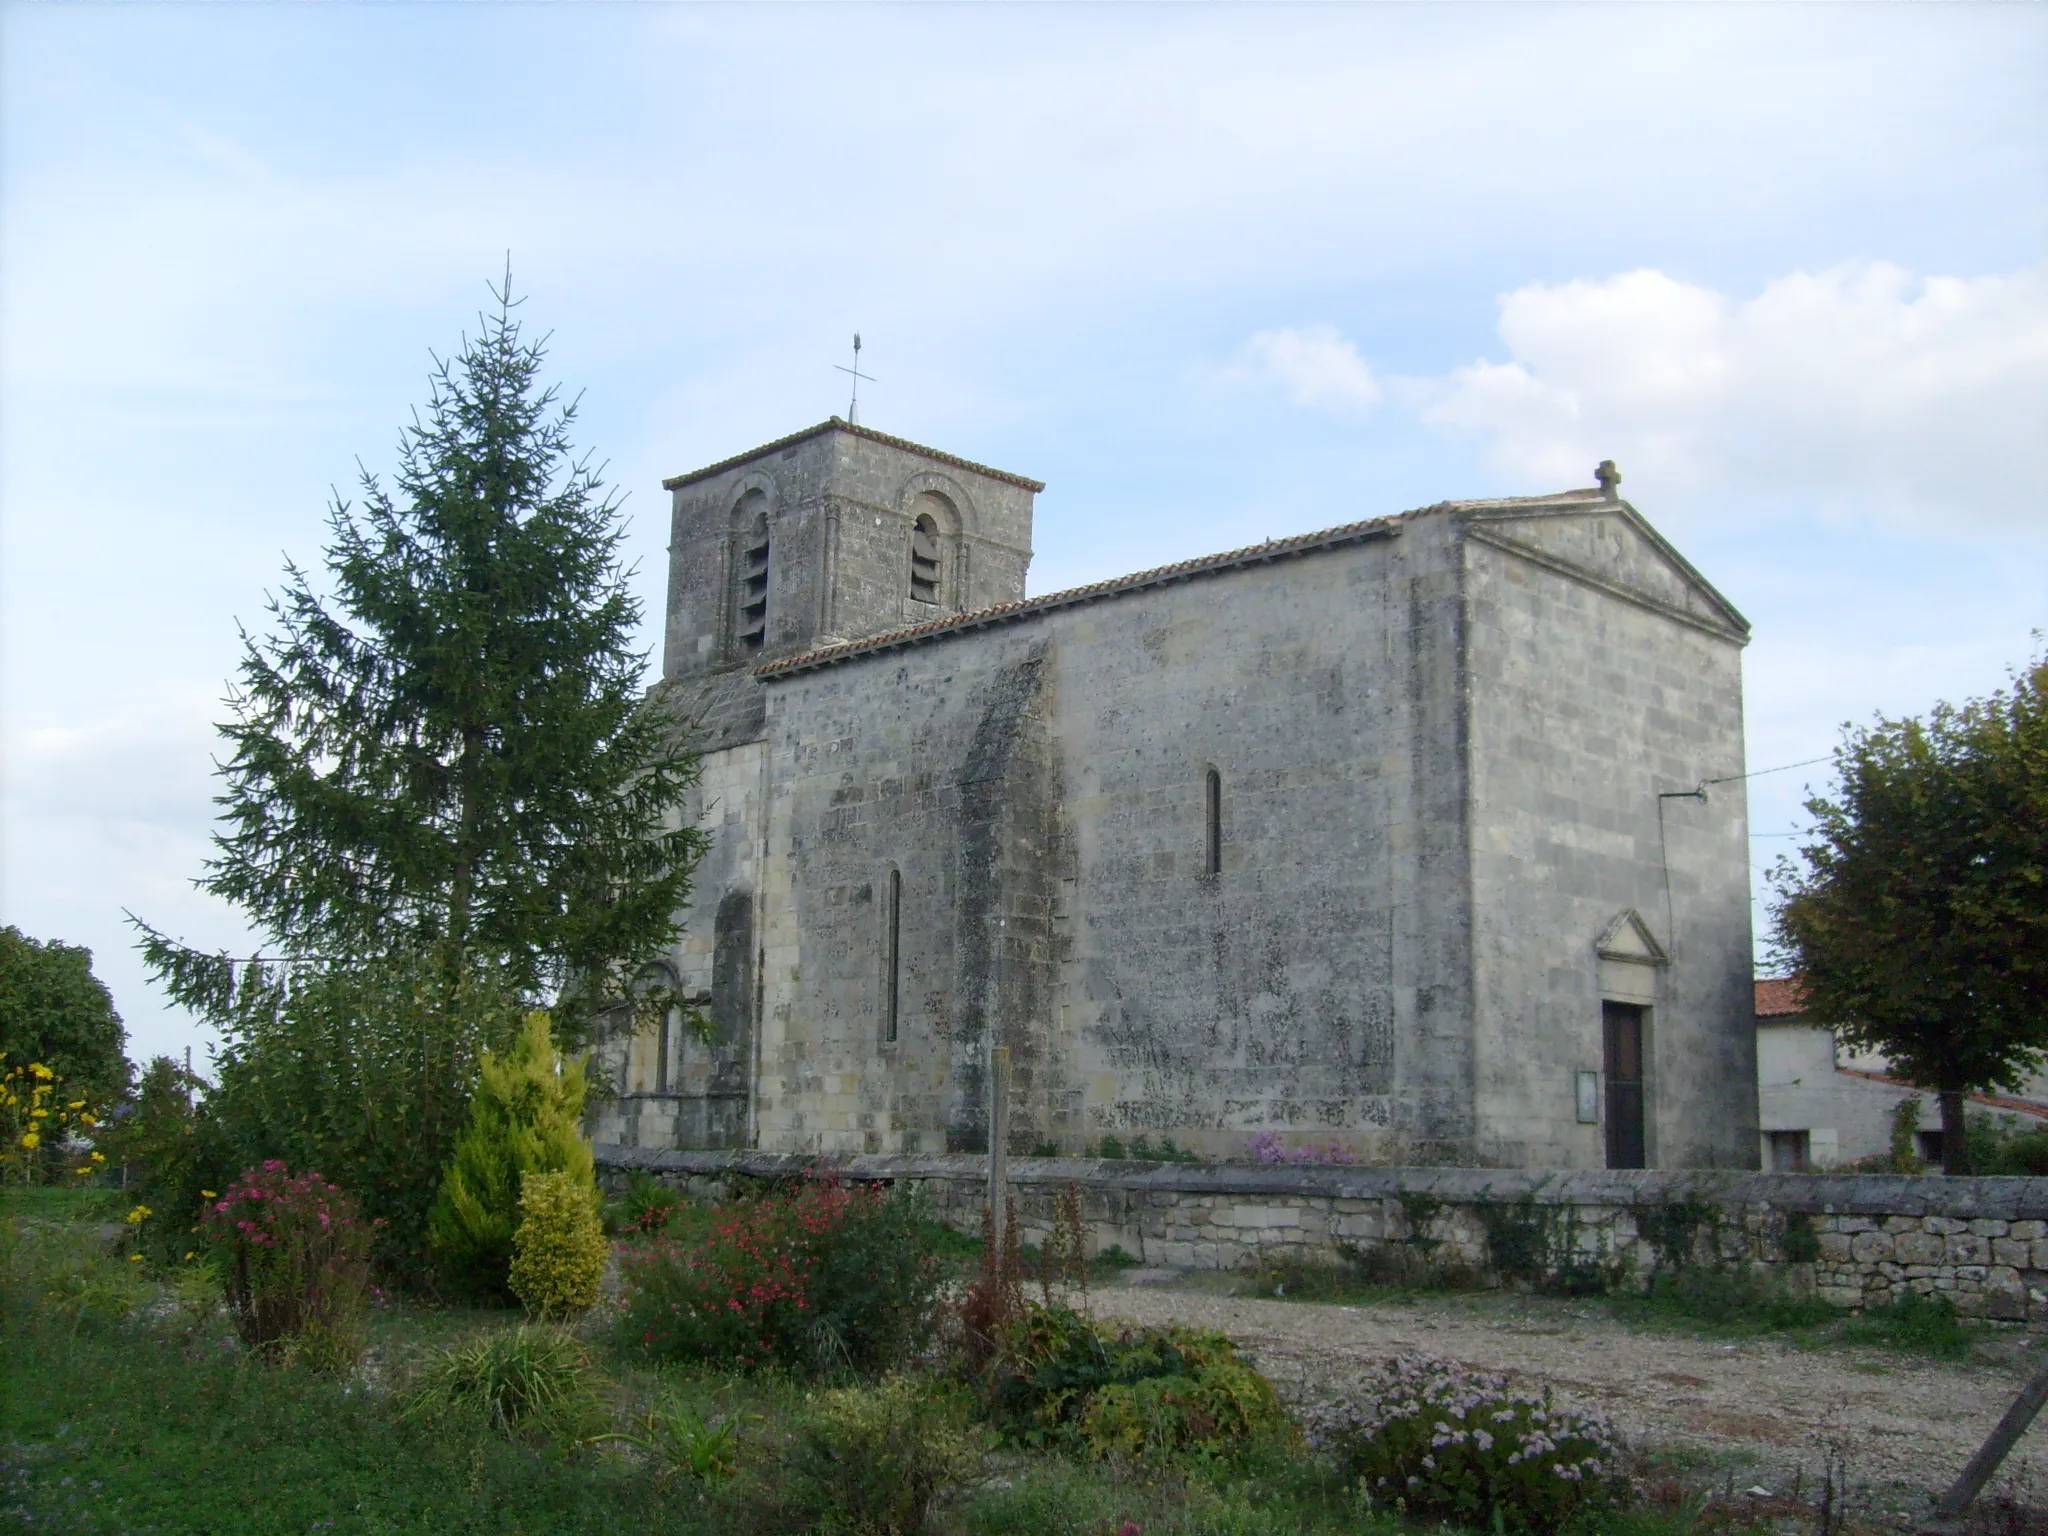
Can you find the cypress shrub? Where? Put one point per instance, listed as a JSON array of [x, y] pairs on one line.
[[525, 1117], [558, 1253]]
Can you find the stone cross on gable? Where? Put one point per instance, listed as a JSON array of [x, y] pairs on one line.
[[1609, 478]]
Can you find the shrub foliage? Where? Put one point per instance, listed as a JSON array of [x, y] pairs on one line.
[[559, 1250], [1063, 1379], [1435, 1440], [873, 1461], [525, 1117], [825, 1279]]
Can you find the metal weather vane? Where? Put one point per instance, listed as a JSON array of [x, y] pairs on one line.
[[853, 405]]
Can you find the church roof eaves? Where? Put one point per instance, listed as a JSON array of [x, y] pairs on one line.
[[834, 424], [1028, 607]]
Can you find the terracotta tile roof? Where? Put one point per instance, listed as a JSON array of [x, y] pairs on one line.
[[1158, 576], [1779, 997], [834, 424]]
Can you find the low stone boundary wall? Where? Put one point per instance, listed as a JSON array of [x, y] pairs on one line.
[[1850, 1239]]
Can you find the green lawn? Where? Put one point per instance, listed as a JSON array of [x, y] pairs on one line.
[[124, 1411]]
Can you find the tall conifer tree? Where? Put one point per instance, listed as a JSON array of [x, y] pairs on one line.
[[444, 780]]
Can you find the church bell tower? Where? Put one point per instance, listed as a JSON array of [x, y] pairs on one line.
[[834, 533]]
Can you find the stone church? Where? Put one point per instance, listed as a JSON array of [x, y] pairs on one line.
[[1422, 836]]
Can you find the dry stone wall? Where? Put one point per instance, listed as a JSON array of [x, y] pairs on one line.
[[1852, 1240]]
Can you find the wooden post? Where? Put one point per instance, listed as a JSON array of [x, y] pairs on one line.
[[1990, 1453], [999, 1142]]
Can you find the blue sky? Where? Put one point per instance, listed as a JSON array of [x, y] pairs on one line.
[[1214, 273]]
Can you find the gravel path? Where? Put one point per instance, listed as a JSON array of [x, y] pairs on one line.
[[1758, 1413]]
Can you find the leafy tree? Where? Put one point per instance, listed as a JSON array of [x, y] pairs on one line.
[[363, 1073], [525, 1117], [53, 1010], [173, 1155], [446, 797], [1920, 920]]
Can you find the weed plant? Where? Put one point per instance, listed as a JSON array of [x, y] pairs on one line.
[[1734, 1302], [1722, 1300], [1918, 1324], [646, 1206], [868, 1461], [529, 1377], [1392, 1271]]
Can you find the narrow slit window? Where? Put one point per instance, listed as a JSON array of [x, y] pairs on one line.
[[1212, 823], [892, 956], [664, 1040], [924, 559]]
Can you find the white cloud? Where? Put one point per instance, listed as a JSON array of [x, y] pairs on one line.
[[1317, 366], [1861, 387]]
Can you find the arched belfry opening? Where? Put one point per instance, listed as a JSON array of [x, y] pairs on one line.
[[932, 526]]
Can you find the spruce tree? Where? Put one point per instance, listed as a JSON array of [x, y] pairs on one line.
[[446, 798]]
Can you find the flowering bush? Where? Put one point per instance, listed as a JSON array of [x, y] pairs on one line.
[[293, 1252], [1436, 1440], [558, 1253], [42, 1125], [826, 1279]]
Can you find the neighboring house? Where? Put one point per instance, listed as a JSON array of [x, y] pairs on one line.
[[1414, 835], [1821, 1103]]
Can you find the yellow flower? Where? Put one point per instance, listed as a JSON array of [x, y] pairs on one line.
[[138, 1214], [99, 1157], [41, 1071], [31, 1141], [207, 1194], [134, 1258], [86, 1169], [188, 1254], [76, 1104], [87, 1120]]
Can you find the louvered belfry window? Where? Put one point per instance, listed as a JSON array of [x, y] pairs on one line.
[[924, 559], [752, 628]]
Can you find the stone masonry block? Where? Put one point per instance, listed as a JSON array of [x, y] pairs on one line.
[[1968, 1248], [1871, 1247], [1919, 1248]]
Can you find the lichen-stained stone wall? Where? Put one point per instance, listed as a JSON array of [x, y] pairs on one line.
[[702, 1099], [1850, 1240], [1039, 789], [1601, 678]]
